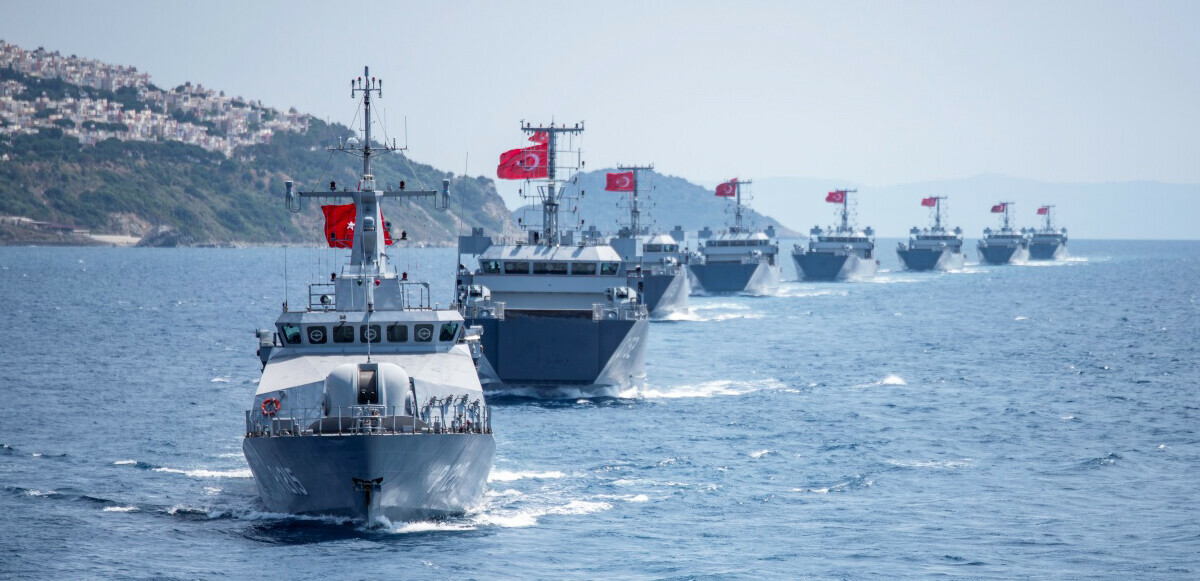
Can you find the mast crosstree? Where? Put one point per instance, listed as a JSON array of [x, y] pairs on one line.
[[550, 201]]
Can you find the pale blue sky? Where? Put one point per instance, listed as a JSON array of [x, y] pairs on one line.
[[871, 92]]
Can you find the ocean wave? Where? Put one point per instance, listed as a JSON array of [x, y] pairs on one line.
[[943, 464], [711, 389], [205, 473], [120, 509], [759, 454], [224, 379], [509, 476], [891, 379]]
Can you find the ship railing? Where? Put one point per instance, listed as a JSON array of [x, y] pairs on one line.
[[484, 310], [475, 418], [322, 296], [620, 312]]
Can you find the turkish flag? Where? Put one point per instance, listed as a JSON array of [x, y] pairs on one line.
[[999, 208], [836, 197], [619, 182], [929, 202], [727, 189], [1043, 210], [339, 226], [525, 163], [540, 137]]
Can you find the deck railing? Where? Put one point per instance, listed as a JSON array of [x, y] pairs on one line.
[[449, 415]]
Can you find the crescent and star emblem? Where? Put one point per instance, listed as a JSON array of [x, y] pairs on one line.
[[526, 164], [624, 182]]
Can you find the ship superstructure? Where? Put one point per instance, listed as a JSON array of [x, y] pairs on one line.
[[554, 313], [655, 262], [739, 259], [1046, 243], [933, 248], [838, 253], [1006, 245], [369, 405]]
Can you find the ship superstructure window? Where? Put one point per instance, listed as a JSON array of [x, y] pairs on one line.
[[489, 267], [291, 333], [609, 268], [653, 248], [583, 268], [516, 268], [423, 333], [343, 334], [559, 268], [397, 333], [317, 334], [449, 332], [369, 333]]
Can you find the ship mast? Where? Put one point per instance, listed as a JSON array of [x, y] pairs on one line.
[[937, 213], [1006, 211], [634, 212], [737, 220], [846, 210], [1049, 225], [550, 203]]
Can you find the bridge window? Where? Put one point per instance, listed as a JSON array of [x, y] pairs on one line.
[[369, 333], [516, 268], [343, 334], [670, 248], [489, 266], [653, 248], [397, 333], [423, 332], [449, 332], [317, 334], [550, 268], [291, 333], [609, 268], [583, 268]]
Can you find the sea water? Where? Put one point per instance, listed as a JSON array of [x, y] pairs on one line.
[[995, 422]]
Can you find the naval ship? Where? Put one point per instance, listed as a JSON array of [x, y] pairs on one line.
[[1046, 242], [369, 406], [554, 313], [841, 253], [737, 259], [658, 271], [933, 248], [1005, 246]]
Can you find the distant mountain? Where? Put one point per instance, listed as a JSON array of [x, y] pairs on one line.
[[87, 147], [1121, 210], [671, 201]]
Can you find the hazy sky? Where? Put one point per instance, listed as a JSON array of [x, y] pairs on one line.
[[872, 92]]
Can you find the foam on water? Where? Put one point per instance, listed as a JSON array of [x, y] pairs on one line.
[[509, 476], [710, 389], [205, 473], [120, 509]]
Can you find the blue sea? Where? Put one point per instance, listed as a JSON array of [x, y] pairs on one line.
[[1037, 421]]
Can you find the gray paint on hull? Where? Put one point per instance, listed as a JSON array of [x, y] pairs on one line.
[[732, 277], [942, 259], [533, 350], [1047, 251], [995, 254], [423, 475], [666, 293], [826, 266]]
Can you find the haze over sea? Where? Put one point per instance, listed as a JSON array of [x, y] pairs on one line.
[[998, 422]]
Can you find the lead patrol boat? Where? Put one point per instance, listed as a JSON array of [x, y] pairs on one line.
[[933, 248], [555, 314], [737, 260], [841, 253], [369, 405], [658, 272]]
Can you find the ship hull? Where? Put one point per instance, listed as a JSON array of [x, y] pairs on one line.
[[940, 259], [823, 266], [421, 476], [666, 293], [1047, 250], [995, 254], [757, 278], [554, 350]]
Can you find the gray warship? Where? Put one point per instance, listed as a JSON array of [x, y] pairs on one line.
[[737, 259], [1004, 246], [369, 405], [839, 253], [658, 272], [554, 313], [1047, 243], [933, 248]]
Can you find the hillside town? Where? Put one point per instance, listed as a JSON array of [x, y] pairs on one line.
[[97, 101]]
